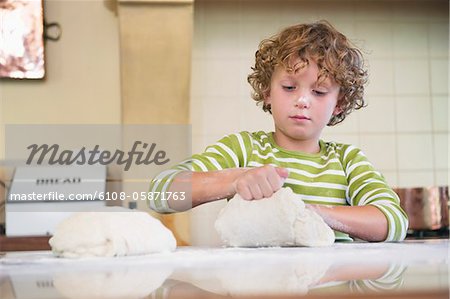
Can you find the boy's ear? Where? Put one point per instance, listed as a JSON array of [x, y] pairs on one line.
[[267, 98], [337, 110]]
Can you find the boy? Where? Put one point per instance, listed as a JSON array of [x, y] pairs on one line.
[[307, 76]]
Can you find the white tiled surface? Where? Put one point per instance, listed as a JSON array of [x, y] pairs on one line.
[[391, 177], [418, 118], [381, 150], [404, 128], [437, 31], [348, 126], [410, 39], [415, 152], [440, 151], [410, 178], [439, 75], [381, 77], [379, 116], [440, 113], [412, 76]]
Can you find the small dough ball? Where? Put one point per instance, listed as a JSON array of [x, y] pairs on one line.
[[112, 231], [281, 220]]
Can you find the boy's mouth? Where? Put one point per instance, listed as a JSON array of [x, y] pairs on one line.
[[300, 117]]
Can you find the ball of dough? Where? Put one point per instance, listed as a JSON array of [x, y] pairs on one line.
[[113, 231], [281, 220]]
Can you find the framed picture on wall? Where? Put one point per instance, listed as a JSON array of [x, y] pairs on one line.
[[22, 39]]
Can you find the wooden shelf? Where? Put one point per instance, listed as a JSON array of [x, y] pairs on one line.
[[24, 243]]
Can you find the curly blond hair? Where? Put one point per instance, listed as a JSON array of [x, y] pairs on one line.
[[330, 49]]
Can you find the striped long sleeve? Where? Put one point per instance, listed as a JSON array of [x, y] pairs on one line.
[[229, 152], [366, 186], [340, 174]]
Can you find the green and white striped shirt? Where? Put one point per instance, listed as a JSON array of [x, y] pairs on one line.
[[339, 174]]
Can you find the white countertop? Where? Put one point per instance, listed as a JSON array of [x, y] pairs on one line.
[[410, 266]]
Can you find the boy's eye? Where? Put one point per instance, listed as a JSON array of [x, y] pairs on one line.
[[319, 93], [288, 87]]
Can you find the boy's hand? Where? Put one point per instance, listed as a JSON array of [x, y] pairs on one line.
[[260, 182]]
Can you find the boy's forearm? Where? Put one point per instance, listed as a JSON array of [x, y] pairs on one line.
[[203, 187], [363, 222]]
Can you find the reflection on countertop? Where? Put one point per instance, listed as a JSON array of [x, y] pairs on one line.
[[385, 269]]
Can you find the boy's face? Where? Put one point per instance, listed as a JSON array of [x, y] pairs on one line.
[[300, 107]]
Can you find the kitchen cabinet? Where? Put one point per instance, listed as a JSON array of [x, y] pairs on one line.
[[155, 66]]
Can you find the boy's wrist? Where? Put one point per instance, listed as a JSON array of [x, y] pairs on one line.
[[237, 173], [214, 185]]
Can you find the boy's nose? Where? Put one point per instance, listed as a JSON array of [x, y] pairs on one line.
[[302, 102]]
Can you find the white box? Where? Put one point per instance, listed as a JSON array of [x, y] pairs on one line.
[[40, 196]]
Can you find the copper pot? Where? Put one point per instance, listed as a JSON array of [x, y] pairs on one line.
[[427, 207]]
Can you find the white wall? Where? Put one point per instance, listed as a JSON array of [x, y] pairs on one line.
[[404, 129]]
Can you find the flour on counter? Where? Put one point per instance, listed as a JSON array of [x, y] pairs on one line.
[[113, 231], [281, 220]]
